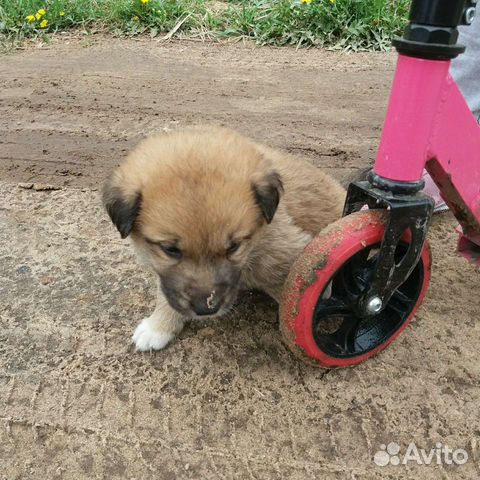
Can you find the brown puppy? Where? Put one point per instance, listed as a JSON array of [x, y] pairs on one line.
[[212, 212]]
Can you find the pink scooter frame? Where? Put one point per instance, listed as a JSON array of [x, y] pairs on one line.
[[375, 260], [429, 125]]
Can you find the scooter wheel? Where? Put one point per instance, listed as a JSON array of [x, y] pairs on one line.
[[316, 317]]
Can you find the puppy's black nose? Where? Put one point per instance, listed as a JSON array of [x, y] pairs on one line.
[[205, 304]]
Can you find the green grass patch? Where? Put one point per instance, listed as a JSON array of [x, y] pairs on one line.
[[345, 24]]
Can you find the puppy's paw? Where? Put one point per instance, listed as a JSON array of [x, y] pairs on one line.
[[146, 338]]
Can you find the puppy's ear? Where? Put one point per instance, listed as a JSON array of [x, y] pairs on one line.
[[267, 191], [123, 209]]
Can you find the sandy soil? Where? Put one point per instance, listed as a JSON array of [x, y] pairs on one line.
[[227, 400]]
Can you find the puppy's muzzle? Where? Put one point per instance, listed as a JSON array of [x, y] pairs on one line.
[[206, 303]]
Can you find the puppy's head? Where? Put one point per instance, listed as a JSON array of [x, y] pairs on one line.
[[193, 203]]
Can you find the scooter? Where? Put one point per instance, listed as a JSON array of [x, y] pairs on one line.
[[359, 283]]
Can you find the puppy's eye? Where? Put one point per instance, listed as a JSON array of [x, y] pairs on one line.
[[167, 248], [234, 246], [171, 251]]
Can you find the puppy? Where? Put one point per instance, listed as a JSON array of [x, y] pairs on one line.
[[212, 212]]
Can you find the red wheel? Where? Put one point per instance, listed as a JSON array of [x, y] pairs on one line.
[[315, 317]]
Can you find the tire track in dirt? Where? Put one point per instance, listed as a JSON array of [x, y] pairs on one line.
[[69, 113]]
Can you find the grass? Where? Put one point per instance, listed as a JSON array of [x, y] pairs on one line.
[[345, 24]]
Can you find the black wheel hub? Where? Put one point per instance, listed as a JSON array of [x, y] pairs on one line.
[[343, 330]]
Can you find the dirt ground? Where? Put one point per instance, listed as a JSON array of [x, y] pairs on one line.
[[227, 400]]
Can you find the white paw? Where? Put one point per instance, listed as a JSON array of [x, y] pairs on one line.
[[146, 338]]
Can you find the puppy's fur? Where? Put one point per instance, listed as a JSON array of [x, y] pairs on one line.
[[212, 212]]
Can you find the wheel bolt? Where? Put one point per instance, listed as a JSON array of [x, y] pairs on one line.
[[374, 305]]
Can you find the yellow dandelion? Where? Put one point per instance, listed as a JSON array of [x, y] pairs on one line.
[[144, 2], [38, 16], [44, 24], [42, 11], [61, 14], [30, 18], [307, 1]]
